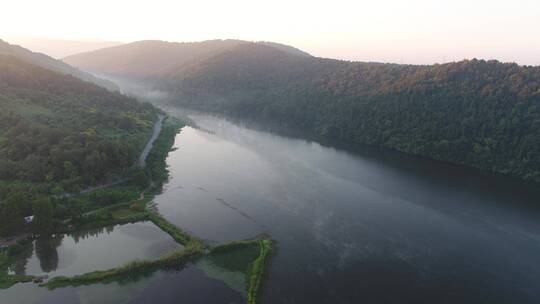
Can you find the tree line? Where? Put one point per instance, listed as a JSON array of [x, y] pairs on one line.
[[60, 134], [482, 114]]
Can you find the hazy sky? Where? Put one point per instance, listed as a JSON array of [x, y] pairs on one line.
[[408, 31]]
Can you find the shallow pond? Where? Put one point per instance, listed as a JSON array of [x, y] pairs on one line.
[[189, 285], [90, 250]]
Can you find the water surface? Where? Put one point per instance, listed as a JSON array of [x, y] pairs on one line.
[[90, 250], [352, 225], [357, 226], [190, 285]]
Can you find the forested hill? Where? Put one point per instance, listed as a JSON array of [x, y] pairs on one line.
[[50, 63], [63, 132], [483, 114], [153, 58]]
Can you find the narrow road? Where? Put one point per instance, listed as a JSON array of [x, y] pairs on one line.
[[144, 154], [140, 163]]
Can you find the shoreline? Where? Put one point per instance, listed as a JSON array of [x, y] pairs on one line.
[[141, 210]]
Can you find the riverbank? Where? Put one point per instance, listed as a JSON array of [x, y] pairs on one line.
[[8, 280], [102, 206], [140, 209], [194, 249]]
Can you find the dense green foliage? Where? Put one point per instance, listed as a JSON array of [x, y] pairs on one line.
[[55, 128], [113, 195], [120, 213], [11, 214], [483, 114], [43, 216], [156, 165], [59, 134], [119, 204]]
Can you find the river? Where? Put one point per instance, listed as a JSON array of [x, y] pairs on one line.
[[359, 226], [354, 225]]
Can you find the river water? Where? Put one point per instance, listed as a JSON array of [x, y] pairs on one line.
[[354, 225], [358, 226]]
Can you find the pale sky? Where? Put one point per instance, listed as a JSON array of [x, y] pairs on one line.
[[406, 31]]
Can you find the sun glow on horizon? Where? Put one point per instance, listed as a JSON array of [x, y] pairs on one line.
[[416, 31]]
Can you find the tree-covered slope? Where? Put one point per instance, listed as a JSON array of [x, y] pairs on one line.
[[483, 114], [50, 63], [59, 130], [152, 58]]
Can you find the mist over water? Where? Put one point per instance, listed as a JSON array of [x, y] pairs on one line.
[[276, 158], [356, 226]]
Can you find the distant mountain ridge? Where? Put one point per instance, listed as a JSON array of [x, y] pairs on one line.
[[50, 63], [59, 48], [154, 58], [482, 114], [286, 48]]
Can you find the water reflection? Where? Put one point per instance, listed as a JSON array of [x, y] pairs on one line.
[[217, 278], [190, 285], [47, 253], [90, 250], [91, 233], [24, 252], [230, 267], [365, 225]]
